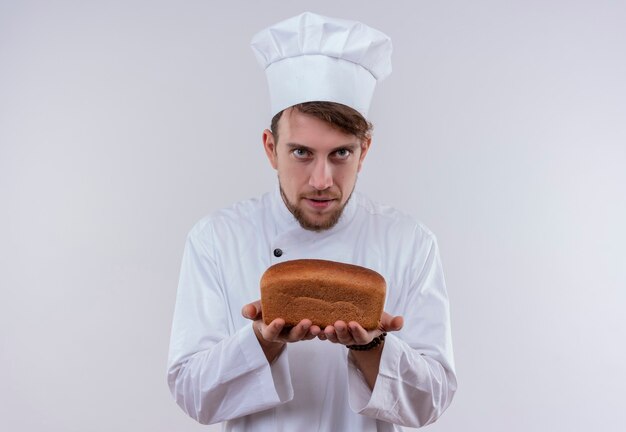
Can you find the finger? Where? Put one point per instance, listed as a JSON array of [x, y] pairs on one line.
[[312, 333], [396, 323], [252, 310], [272, 331], [299, 331], [359, 334], [391, 323], [343, 335], [331, 336]]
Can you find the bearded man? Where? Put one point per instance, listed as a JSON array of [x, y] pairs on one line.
[[225, 363]]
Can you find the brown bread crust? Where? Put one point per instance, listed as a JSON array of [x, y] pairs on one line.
[[322, 291]]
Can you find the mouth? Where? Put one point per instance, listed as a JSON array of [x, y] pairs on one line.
[[319, 203]]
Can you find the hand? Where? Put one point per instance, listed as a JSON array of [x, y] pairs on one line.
[[353, 334], [276, 332]]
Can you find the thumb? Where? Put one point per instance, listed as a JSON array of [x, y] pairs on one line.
[[391, 323], [252, 310], [396, 323]]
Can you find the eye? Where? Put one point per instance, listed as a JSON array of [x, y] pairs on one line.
[[301, 153], [342, 153]]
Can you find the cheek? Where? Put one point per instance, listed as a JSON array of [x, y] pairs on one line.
[[292, 175], [346, 174]]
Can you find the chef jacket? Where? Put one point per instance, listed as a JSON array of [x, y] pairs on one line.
[[217, 371]]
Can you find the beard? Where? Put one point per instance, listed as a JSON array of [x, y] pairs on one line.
[[329, 221]]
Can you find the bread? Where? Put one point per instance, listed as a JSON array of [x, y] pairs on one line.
[[322, 291]]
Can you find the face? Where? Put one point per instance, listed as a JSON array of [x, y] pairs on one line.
[[317, 167]]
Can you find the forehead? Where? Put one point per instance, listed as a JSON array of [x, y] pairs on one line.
[[305, 129]]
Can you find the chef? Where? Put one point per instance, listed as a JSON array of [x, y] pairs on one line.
[[225, 364]]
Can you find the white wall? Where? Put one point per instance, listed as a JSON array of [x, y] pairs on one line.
[[502, 128]]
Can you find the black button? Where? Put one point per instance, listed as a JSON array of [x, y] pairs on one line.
[[277, 252]]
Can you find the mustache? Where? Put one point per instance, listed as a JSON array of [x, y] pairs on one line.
[[321, 195]]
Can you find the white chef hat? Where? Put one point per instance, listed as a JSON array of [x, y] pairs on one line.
[[315, 58]]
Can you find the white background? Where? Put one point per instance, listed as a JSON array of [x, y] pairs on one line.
[[502, 128]]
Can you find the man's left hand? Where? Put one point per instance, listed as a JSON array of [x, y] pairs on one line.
[[353, 334]]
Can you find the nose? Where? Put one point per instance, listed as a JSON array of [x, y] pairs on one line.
[[322, 177]]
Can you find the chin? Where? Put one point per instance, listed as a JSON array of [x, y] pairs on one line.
[[318, 224]]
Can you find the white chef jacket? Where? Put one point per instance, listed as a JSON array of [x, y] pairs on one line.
[[217, 371]]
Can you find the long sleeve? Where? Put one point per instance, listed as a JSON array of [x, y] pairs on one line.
[[216, 371], [416, 380]]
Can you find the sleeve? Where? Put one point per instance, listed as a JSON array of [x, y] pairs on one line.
[[416, 380], [216, 372]]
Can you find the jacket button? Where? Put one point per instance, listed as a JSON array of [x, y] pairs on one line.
[[277, 252]]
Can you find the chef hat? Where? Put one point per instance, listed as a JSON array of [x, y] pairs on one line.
[[315, 58]]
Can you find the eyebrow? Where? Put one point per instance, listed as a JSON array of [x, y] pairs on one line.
[[349, 146]]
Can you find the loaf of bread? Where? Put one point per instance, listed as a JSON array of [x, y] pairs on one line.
[[322, 291]]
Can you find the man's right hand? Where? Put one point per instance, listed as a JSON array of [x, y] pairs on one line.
[[274, 336]]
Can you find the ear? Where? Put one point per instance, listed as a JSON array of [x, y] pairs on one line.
[[365, 146], [270, 147]]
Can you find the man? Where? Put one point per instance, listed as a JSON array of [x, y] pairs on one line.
[[225, 364]]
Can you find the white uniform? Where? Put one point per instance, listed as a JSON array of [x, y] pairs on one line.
[[217, 371]]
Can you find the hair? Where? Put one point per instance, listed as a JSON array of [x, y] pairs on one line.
[[339, 116]]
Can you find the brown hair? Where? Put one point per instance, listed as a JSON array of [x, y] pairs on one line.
[[339, 116]]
